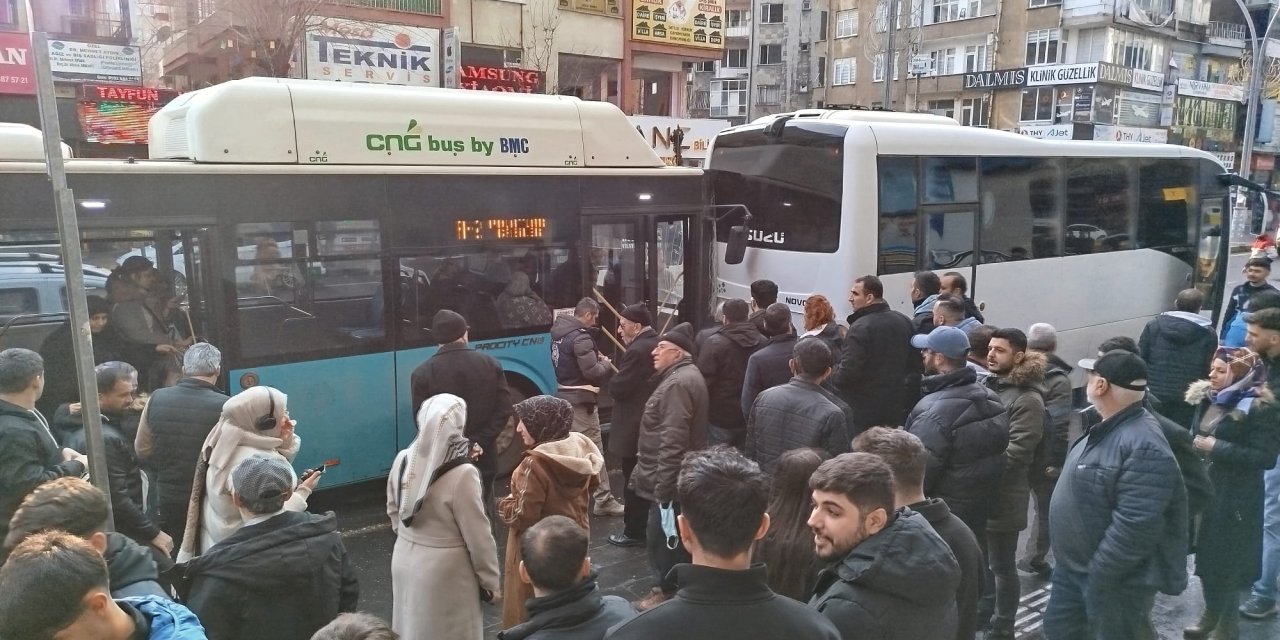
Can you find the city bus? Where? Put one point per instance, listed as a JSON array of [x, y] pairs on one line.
[[313, 229], [1094, 238]]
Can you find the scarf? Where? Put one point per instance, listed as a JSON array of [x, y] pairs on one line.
[[439, 447], [1239, 395]]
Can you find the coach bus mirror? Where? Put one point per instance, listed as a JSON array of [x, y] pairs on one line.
[[737, 244], [1258, 222]]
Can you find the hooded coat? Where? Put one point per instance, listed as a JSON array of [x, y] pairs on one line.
[[519, 307], [555, 478], [899, 584], [1178, 348], [163, 618], [722, 360], [131, 568], [876, 364], [1022, 394], [281, 579]]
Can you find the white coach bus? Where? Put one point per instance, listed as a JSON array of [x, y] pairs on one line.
[[1094, 238]]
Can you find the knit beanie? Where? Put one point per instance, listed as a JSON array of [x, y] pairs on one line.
[[681, 336]]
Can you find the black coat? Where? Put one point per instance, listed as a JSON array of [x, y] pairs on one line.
[[475, 377], [722, 360], [795, 415], [61, 384], [1178, 348], [630, 388], [29, 457], [123, 473], [578, 613], [766, 368], [281, 579], [966, 430], [876, 365], [1229, 541], [964, 546], [714, 604], [179, 418]]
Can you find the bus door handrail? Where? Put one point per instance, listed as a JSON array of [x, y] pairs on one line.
[[24, 316], [282, 303]]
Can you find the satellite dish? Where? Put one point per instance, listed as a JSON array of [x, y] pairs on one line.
[[164, 33]]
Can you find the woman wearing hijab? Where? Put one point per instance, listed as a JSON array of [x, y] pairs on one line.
[[1238, 435], [445, 561], [555, 478], [254, 421], [519, 307]]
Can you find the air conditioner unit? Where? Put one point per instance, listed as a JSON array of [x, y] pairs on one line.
[[804, 88], [804, 46], [806, 5]]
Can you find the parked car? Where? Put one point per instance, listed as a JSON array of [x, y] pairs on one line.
[[33, 296]]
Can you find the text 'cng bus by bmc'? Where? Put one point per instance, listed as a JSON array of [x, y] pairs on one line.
[[1094, 238], [315, 228]]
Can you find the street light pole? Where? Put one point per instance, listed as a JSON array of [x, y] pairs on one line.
[[890, 55], [1253, 92]]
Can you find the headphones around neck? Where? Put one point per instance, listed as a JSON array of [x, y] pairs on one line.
[[268, 422]]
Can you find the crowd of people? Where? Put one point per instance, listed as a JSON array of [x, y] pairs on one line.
[[864, 479]]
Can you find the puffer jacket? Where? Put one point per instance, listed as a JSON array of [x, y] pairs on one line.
[[674, 423], [1052, 450], [876, 365], [164, 619], [1178, 347], [1022, 394], [795, 415], [1119, 511], [899, 584], [966, 430], [123, 473], [722, 360]]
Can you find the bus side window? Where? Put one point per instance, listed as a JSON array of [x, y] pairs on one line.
[[948, 180], [1099, 208], [898, 220], [1020, 217], [1166, 205]]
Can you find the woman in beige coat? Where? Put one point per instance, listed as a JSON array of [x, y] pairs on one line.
[[445, 561]]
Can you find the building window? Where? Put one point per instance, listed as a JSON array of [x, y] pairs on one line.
[[878, 67], [942, 107], [942, 62], [1137, 50], [1042, 46], [975, 112], [737, 18], [768, 94], [1091, 45], [771, 13], [735, 59], [728, 98], [881, 19], [844, 71], [770, 54], [1044, 3], [822, 26], [976, 58], [1037, 105], [822, 72], [847, 23], [952, 10], [705, 66]]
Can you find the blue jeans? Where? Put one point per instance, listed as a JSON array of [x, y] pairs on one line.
[[1265, 587], [1076, 612]]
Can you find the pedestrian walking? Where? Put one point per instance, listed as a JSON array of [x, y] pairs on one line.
[[722, 360], [787, 549], [1263, 334], [556, 477], [630, 389], [1178, 347], [1046, 466], [797, 415], [445, 560], [878, 362]]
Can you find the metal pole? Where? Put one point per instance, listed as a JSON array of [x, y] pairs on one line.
[[889, 54], [1254, 90], [73, 265]]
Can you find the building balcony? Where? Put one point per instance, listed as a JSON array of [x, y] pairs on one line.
[[425, 7], [743, 31], [730, 73], [95, 27], [1228, 34]]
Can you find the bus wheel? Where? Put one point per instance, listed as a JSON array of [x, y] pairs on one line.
[[510, 446]]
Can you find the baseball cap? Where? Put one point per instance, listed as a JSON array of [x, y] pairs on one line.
[[949, 341], [1121, 368], [262, 477]]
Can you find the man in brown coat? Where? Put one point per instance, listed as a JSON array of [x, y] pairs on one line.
[[674, 423]]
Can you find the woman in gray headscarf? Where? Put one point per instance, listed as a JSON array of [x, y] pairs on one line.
[[519, 307], [445, 560]]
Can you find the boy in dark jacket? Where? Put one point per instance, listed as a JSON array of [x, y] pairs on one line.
[[567, 603], [1178, 348], [722, 594]]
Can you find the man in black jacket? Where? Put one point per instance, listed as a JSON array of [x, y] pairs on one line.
[[763, 294], [768, 367], [282, 576], [1118, 515], [878, 362], [722, 360], [925, 288], [892, 577], [475, 377], [1178, 348], [964, 428], [722, 594], [29, 454], [797, 415], [116, 384], [567, 603], [581, 371], [172, 430], [908, 458], [630, 388]]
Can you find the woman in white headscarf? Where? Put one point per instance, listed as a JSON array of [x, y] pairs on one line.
[[254, 421], [445, 561]]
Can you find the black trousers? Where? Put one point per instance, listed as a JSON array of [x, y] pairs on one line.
[[635, 518]]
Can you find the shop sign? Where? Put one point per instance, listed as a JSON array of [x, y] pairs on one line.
[[486, 78], [1003, 79], [1082, 105], [17, 67], [1211, 90], [656, 131], [1264, 162], [1048, 131], [687, 23], [611, 8], [1206, 114], [373, 52], [121, 93], [95, 62], [1112, 133], [1062, 74], [1129, 77], [1138, 109]]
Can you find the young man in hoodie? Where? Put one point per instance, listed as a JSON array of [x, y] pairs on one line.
[[1178, 348], [722, 594], [282, 576], [55, 585], [722, 360], [1047, 464], [890, 576], [925, 287], [567, 603]]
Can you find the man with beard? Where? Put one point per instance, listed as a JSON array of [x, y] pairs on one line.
[[877, 362], [925, 287], [891, 576]]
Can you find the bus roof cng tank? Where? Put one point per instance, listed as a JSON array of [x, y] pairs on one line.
[[285, 121], [24, 142], [860, 115]]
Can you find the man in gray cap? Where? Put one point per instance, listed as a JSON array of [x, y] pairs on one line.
[[284, 575], [475, 377], [630, 388]]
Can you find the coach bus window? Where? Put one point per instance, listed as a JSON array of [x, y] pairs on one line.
[[671, 276], [948, 240], [897, 215], [1099, 212], [1166, 205], [1020, 218], [950, 180]]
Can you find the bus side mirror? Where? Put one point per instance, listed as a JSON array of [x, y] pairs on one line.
[[1258, 223], [737, 244]]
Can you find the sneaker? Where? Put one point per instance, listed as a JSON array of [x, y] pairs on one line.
[[609, 508], [1258, 608], [656, 597]]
